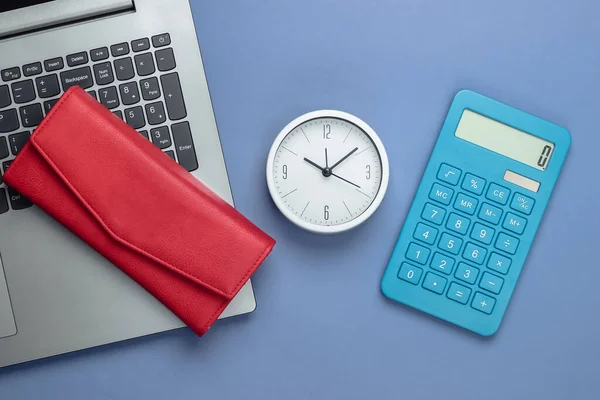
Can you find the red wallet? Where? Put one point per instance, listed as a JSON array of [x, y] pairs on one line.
[[141, 210]]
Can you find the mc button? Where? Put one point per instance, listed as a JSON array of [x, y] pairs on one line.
[[441, 194]]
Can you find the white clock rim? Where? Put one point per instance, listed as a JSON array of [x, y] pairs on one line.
[[385, 172]]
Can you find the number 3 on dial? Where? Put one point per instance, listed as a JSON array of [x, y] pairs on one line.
[[327, 171]]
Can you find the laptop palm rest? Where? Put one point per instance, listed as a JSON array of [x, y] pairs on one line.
[[7, 319]]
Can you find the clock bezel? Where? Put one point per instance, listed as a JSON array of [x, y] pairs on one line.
[[385, 172]]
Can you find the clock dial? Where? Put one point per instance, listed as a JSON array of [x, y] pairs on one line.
[[327, 171]]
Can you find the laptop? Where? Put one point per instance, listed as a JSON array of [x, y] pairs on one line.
[[140, 58]]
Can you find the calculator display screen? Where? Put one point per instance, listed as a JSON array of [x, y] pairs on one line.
[[505, 140]]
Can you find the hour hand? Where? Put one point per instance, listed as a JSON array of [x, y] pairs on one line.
[[314, 164]]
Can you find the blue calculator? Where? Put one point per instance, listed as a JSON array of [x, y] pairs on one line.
[[476, 213]]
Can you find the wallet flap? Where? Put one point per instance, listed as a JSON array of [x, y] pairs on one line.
[[143, 199]]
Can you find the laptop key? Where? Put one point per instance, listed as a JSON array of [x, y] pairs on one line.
[[144, 64], [80, 76], [156, 113], [31, 115], [3, 148], [135, 117], [103, 73], [5, 100], [9, 120], [160, 137], [109, 97], [161, 40], [129, 93], [54, 64], [150, 89], [165, 59], [173, 96], [119, 49], [32, 69], [144, 134], [16, 141], [124, 69], [99, 54], [17, 200], [49, 104], [118, 113], [93, 94], [77, 59], [3, 202], [23, 92], [140, 44], [47, 86], [5, 165], [184, 146], [10, 74], [171, 154]]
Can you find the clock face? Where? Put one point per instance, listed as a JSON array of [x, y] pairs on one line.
[[327, 173]]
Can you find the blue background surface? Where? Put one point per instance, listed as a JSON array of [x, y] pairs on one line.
[[322, 329]]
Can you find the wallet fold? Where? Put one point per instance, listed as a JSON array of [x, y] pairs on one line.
[[150, 217]]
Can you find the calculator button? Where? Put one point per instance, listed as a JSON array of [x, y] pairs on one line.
[[442, 263], [466, 273], [458, 223], [499, 263], [474, 253], [483, 303], [514, 223], [465, 204], [410, 273], [491, 283], [498, 194], [434, 283], [433, 214], [459, 293], [417, 253], [425, 233], [473, 184], [449, 174], [450, 243], [441, 193], [490, 213], [507, 243], [482, 233], [522, 203]]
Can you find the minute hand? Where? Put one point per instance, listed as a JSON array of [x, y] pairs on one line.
[[343, 158]]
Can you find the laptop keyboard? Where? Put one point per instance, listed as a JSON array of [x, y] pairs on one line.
[[136, 80]]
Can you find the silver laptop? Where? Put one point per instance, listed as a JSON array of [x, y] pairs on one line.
[[140, 58]]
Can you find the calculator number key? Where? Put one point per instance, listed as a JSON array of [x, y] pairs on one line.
[[482, 233], [434, 283], [474, 253], [498, 194], [459, 293], [410, 273], [491, 283], [473, 184], [490, 214], [483, 303], [433, 214], [450, 243], [499, 263], [442, 263], [514, 223], [441, 193], [417, 253], [458, 224], [466, 273], [522, 203], [425, 233], [449, 174], [465, 204], [507, 243]]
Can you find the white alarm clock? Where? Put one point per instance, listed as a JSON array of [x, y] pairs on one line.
[[327, 171]]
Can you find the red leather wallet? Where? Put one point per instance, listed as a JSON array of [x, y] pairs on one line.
[[138, 208]]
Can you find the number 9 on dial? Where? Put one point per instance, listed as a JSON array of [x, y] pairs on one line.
[[327, 171]]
